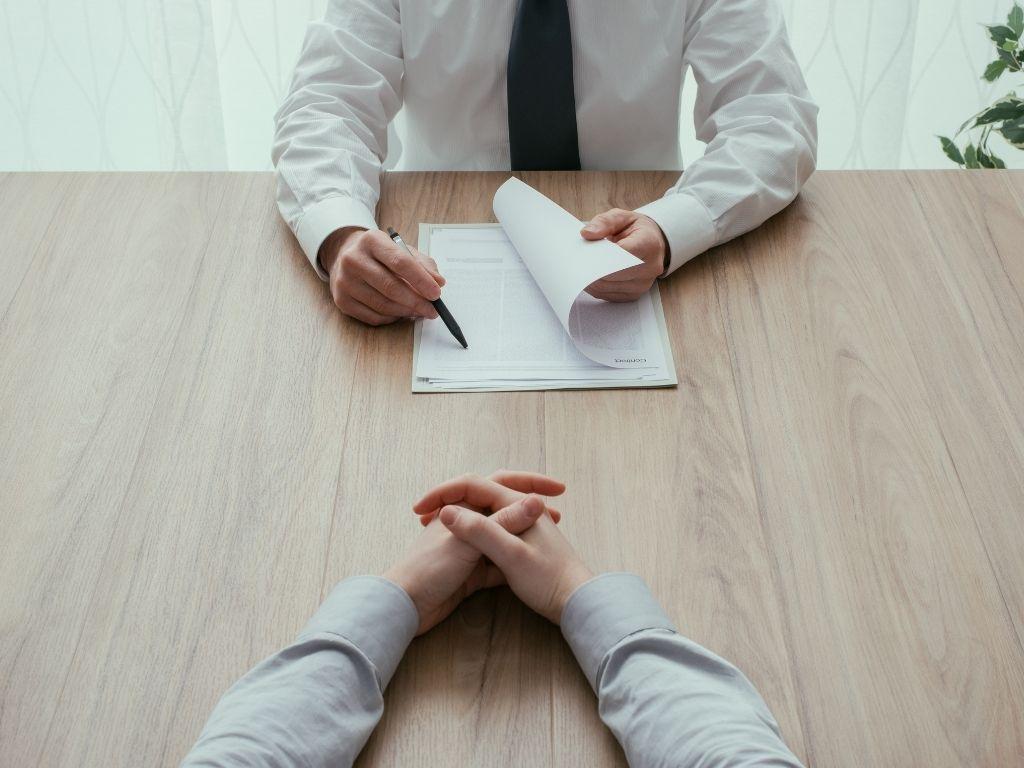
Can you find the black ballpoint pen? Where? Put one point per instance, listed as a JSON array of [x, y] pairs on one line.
[[442, 310]]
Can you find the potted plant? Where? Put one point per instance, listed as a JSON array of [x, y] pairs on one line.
[[1006, 116]]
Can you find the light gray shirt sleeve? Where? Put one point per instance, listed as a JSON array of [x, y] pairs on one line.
[[668, 701], [315, 702]]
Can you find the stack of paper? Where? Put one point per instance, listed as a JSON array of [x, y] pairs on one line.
[[517, 291]]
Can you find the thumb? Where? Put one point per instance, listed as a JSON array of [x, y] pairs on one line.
[[517, 517], [607, 224], [483, 534]]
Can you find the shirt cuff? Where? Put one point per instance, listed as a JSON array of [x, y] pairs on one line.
[[687, 225], [325, 217], [375, 615], [603, 612]]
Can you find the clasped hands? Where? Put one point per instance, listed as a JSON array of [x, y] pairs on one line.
[[482, 532], [376, 282]]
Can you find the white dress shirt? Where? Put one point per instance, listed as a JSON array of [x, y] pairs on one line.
[[669, 701], [445, 60]]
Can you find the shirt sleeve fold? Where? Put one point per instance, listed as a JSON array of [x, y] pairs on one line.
[[755, 114], [330, 138], [668, 700], [315, 702]]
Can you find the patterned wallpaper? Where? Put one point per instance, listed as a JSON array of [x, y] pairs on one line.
[[193, 84]]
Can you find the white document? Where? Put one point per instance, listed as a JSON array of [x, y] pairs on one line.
[[517, 291]]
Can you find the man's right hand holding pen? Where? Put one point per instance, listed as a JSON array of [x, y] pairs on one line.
[[375, 281]]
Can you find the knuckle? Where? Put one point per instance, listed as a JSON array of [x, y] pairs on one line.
[[389, 285], [519, 555], [348, 258], [378, 304]]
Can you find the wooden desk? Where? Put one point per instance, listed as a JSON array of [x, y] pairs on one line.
[[195, 446]]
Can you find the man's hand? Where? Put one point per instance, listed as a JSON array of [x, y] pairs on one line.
[[487, 494], [642, 237], [374, 280], [439, 571], [540, 565]]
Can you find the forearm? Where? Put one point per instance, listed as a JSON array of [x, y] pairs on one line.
[[755, 114], [667, 700], [331, 130], [316, 702]]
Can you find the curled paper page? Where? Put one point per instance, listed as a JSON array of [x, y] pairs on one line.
[[547, 238]]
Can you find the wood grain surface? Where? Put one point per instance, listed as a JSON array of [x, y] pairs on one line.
[[195, 446]]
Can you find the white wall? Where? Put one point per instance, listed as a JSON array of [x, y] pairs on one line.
[[193, 84]]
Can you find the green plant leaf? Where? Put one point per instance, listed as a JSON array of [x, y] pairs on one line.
[[1000, 33], [971, 157], [1011, 61], [1013, 132], [1007, 108], [994, 70], [951, 150], [985, 160], [1015, 20]]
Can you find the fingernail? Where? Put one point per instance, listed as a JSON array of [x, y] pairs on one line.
[[590, 228]]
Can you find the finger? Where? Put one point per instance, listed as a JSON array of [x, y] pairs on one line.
[[493, 577], [397, 260], [369, 296], [619, 291], [607, 223], [486, 493], [484, 576], [519, 516], [470, 489], [431, 266], [554, 514], [528, 482], [635, 287], [363, 313], [485, 535], [393, 287], [617, 297], [647, 247], [627, 275]]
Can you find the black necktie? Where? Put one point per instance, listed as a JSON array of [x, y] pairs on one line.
[[541, 102]]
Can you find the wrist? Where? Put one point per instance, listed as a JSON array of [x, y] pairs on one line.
[[575, 576], [396, 576], [332, 245], [666, 250]]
